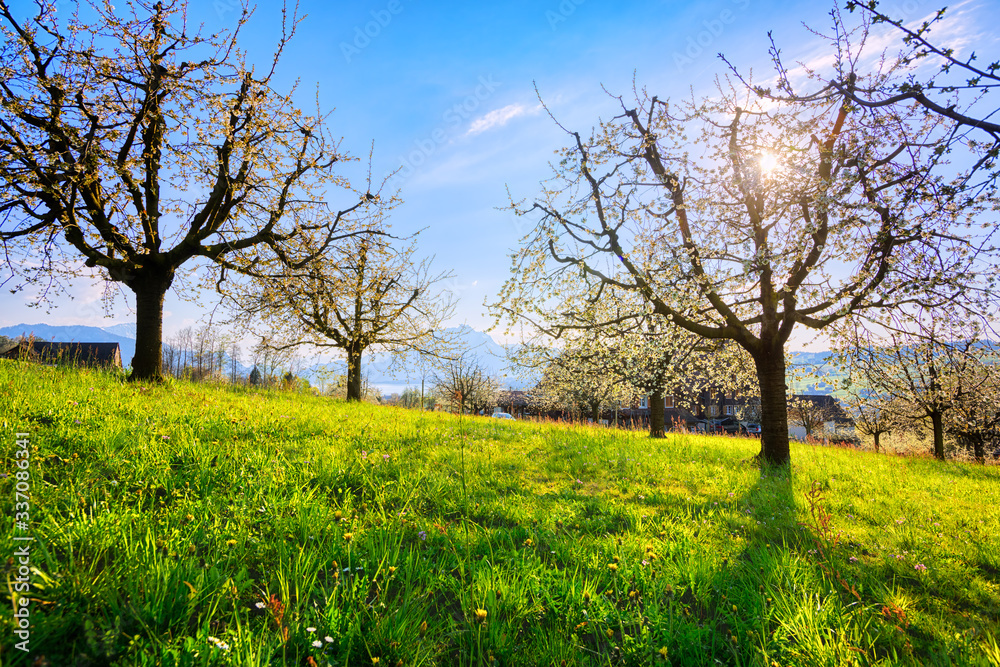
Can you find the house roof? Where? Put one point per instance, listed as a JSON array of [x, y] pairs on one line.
[[91, 354], [513, 396], [827, 402]]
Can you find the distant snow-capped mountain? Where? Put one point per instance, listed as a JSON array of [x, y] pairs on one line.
[[126, 329]]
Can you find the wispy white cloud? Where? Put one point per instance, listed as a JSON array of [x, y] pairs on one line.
[[499, 117]]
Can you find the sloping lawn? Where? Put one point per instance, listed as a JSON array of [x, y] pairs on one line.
[[194, 525]]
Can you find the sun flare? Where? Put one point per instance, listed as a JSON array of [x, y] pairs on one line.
[[768, 163]]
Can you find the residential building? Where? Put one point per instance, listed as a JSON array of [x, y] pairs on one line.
[[101, 355]]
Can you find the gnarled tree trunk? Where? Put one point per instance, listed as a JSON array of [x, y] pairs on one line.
[[353, 374], [150, 289], [657, 428], [937, 422], [773, 406]]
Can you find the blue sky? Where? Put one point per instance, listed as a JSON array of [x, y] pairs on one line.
[[445, 90]]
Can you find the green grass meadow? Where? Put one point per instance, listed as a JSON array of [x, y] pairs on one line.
[[184, 525]]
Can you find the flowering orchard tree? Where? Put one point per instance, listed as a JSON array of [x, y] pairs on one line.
[[874, 413], [924, 366], [739, 220], [576, 376], [660, 360], [136, 146], [368, 292], [974, 422], [936, 79], [464, 385], [604, 348]]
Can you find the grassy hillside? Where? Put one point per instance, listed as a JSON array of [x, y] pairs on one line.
[[190, 525]]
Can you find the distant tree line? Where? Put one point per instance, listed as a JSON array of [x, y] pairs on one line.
[[209, 354]]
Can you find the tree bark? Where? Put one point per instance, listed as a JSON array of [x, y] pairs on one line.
[[773, 407], [937, 422], [595, 412], [353, 374], [657, 429], [877, 435], [147, 364], [979, 449]]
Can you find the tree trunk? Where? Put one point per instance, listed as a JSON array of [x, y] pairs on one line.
[[657, 429], [595, 412], [937, 422], [773, 407], [877, 435], [147, 364], [353, 374]]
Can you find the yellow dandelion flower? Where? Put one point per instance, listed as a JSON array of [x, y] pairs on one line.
[[481, 615], [610, 633], [348, 537], [392, 570], [230, 543], [613, 566], [663, 652]]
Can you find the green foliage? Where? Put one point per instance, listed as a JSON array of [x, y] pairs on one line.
[[184, 524]]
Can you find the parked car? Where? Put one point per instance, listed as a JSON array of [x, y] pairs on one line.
[[844, 440], [726, 425], [750, 428], [503, 415]]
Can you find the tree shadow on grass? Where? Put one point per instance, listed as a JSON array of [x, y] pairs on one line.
[[868, 608]]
